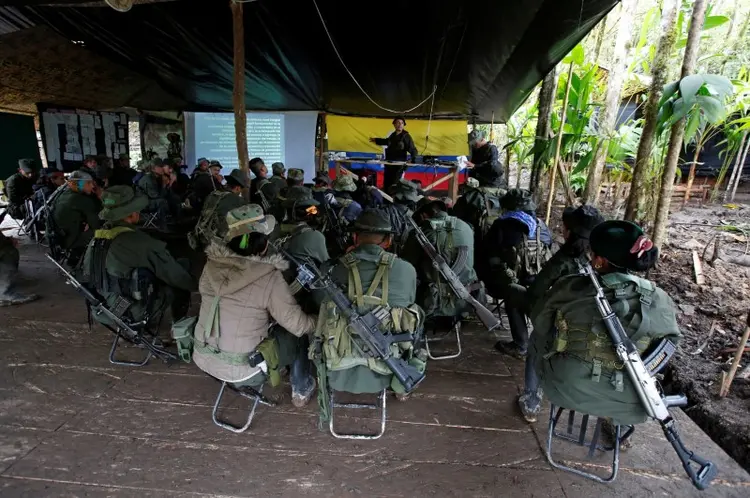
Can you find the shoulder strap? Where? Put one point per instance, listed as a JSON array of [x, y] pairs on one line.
[[355, 281], [381, 277], [111, 233]]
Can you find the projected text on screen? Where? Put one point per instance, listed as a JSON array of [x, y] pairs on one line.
[[215, 140]]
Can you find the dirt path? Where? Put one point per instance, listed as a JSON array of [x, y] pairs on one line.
[[724, 300]]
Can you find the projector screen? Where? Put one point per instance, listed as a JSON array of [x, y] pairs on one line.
[[288, 137]]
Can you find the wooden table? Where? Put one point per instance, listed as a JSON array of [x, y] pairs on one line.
[[452, 177]]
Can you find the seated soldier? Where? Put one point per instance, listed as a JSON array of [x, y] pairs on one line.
[[242, 291], [151, 185], [405, 196], [371, 276], [261, 187], [454, 240], [9, 258], [201, 168], [485, 164], [46, 186], [205, 181], [575, 359], [279, 176], [295, 178], [19, 187], [212, 222], [347, 209], [75, 213], [121, 261], [122, 173], [322, 191], [577, 226], [367, 194]]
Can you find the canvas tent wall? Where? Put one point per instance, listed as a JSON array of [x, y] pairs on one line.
[[483, 57]]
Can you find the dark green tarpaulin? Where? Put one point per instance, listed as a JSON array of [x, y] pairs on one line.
[[483, 56]]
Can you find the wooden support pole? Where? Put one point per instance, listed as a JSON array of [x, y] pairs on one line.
[[238, 92], [439, 181], [728, 378], [322, 163], [558, 146], [453, 185]]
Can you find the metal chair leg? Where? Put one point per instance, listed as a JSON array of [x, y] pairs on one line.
[[126, 363], [555, 413], [457, 330], [366, 406], [227, 425]]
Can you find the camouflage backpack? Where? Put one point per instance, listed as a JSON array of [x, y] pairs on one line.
[[472, 208], [210, 226], [531, 255], [342, 349]]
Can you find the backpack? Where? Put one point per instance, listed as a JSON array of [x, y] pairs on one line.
[[532, 254], [473, 208], [342, 349], [437, 298], [209, 226]]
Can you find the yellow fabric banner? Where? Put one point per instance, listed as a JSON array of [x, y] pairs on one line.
[[352, 134]]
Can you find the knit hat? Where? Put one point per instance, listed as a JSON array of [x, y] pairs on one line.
[[581, 220], [372, 221], [246, 219], [121, 201], [278, 169], [81, 176]]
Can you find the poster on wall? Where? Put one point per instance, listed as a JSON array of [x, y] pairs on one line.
[[163, 139], [70, 134]]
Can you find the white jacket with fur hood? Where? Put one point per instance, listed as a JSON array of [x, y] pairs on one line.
[[252, 292]]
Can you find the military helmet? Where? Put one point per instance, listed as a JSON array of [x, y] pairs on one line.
[[372, 221], [246, 219], [299, 196], [344, 183], [518, 199]]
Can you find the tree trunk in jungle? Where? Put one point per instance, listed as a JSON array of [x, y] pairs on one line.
[[637, 196], [615, 82], [543, 129], [659, 233], [737, 167], [739, 171]]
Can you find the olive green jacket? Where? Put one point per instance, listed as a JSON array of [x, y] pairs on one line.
[[570, 339], [76, 217]]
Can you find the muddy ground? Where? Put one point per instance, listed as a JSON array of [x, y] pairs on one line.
[[724, 301]]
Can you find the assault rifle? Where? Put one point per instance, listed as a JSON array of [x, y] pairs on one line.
[[485, 316], [370, 327], [655, 405], [99, 308]]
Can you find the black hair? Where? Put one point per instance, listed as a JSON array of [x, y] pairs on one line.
[[575, 245], [254, 164], [432, 210], [647, 260], [255, 245]]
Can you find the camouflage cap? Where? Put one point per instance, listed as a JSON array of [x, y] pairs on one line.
[[215, 164], [278, 168], [517, 199], [475, 136], [582, 220], [27, 165], [295, 174], [472, 182], [299, 196], [372, 221], [247, 219], [405, 191], [240, 177], [121, 201], [344, 183]]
